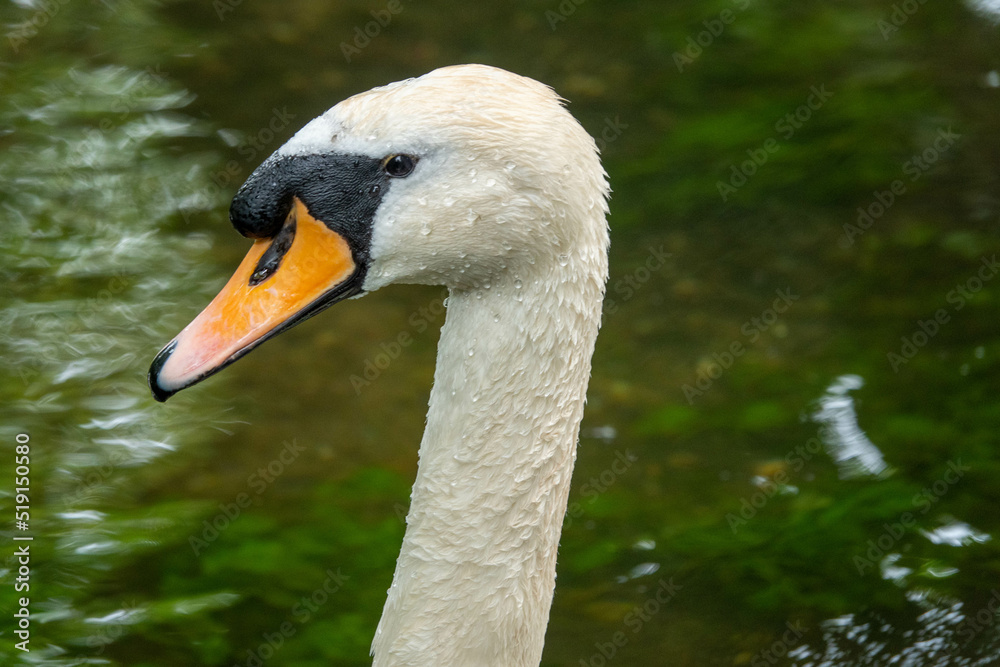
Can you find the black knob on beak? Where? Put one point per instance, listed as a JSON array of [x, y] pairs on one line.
[[260, 207]]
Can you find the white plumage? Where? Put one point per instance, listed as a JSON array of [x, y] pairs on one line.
[[510, 215]]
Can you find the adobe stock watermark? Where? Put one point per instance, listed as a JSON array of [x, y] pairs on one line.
[[418, 322], [223, 7], [752, 329], [299, 614], [780, 647], [634, 621], [565, 9], [915, 167], [769, 487], [252, 146], [258, 482], [985, 617], [714, 27], [87, 319], [627, 286], [600, 483], [363, 35], [925, 330], [922, 503], [97, 477], [142, 85], [786, 127], [22, 32], [900, 14], [113, 626], [610, 131], [249, 149]]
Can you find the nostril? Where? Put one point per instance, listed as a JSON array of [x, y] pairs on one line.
[[271, 259]]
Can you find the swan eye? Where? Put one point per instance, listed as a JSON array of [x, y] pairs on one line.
[[399, 165]]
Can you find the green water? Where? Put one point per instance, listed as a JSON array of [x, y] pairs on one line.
[[790, 451]]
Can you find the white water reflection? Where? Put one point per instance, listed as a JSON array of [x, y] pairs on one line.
[[946, 634], [87, 192], [956, 533], [854, 454], [943, 632], [990, 8]]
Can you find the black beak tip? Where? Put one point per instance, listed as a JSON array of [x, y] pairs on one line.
[[159, 393]]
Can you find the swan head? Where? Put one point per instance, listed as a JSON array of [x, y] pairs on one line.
[[466, 177]]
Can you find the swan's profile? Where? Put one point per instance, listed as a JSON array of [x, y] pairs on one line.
[[480, 180]]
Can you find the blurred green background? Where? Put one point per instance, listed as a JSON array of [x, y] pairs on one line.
[[793, 414]]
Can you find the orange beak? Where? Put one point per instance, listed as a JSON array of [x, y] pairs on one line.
[[282, 281]]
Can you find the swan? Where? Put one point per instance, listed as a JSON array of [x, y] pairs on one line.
[[480, 180]]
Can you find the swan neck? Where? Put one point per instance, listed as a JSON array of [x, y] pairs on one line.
[[475, 577]]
